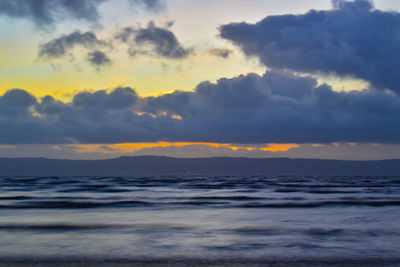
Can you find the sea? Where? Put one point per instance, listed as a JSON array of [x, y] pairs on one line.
[[200, 220]]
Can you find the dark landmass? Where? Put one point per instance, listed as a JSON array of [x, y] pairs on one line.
[[222, 165]]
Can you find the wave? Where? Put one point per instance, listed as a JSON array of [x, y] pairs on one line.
[[57, 227], [62, 227], [75, 204], [203, 202], [86, 192], [318, 204]]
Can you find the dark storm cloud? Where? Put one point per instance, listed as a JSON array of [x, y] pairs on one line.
[[16, 102], [282, 108], [156, 40], [353, 39], [90, 117], [98, 59], [49, 12], [120, 98], [59, 47], [278, 107]]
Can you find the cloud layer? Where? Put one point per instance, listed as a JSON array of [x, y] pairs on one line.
[[353, 39], [278, 107]]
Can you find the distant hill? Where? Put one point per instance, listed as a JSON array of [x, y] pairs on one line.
[[222, 165]]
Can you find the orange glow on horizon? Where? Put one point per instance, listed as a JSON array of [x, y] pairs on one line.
[[279, 147], [132, 147]]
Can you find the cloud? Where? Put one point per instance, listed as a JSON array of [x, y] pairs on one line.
[[281, 108], [49, 12], [120, 98], [277, 107], [59, 47], [221, 52], [98, 59], [154, 5], [353, 39], [153, 40], [16, 103], [64, 45]]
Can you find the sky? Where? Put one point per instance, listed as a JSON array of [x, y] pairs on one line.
[[100, 79]]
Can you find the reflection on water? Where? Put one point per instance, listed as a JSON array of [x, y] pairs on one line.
[[213, 217]]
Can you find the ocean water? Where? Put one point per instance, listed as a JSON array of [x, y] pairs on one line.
[[221, 218]]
